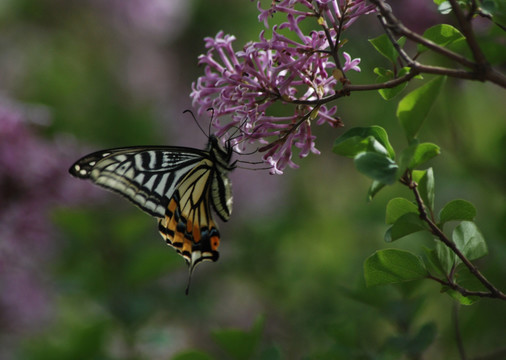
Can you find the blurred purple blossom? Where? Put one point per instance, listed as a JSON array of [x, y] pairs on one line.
[[33, 180], [418, 15], [291, 67], [143, 29], [155, 19]]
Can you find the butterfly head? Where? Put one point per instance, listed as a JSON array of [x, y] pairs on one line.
[[221, 153]]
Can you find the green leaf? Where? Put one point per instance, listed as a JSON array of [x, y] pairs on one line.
[[407, 224], [469, 240], [356, 145], [405, 157], [432, 262], [377, 167], [360, 139], [398, 207], [350, 147], [192, 355], [240, 344], [414, 107], [461, 47], [497, 9], [446, 257], [425, 181], [457, 210], [375, 146], [385, 75], [442, 34], [415, 155], [375, 187], [384, 46], [468, 280], [423, 153], [393, 266], [383, 72], [444, 7]]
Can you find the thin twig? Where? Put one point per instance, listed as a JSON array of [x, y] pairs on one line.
[[463, 291], [480, 69], [414, 71], [494, 292], [398, 27], [388, 32], [348, 88], [467, 30], [427, 68]]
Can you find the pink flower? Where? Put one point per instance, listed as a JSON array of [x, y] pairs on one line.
[[350, 64], [296, 71]]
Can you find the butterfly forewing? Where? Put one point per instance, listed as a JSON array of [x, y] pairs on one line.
[[178, 185], [147, 176]]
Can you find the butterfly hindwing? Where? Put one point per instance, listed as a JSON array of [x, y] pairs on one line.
[[221, 195], [188, 225], [178, 185]]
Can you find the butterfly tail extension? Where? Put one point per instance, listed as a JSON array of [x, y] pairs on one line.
[[193, 239], [211, 238]]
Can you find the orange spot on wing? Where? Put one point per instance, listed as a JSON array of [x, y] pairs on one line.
[[178, 238], [172, 205], [171, 223], [215, 242], [189, 226], [196, 234], [187, 246]]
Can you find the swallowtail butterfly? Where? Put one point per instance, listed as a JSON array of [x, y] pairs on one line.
[[176, 185]]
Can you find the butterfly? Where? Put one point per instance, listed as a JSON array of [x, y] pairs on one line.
[[176, 185]]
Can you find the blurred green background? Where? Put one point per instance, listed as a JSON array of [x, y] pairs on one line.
[[113, 73]]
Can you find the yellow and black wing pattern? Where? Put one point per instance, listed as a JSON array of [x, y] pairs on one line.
[[177, 185]]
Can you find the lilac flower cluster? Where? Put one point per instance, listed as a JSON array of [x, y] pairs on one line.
[[290, 67]]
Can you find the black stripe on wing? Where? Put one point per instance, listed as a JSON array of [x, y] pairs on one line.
[[147, 176], [188, 225], [221, 195]]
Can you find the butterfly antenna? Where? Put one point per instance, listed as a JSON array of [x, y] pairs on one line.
[[250, 162], [254, 169], [196, 122], [239, 129], [212, 118]]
